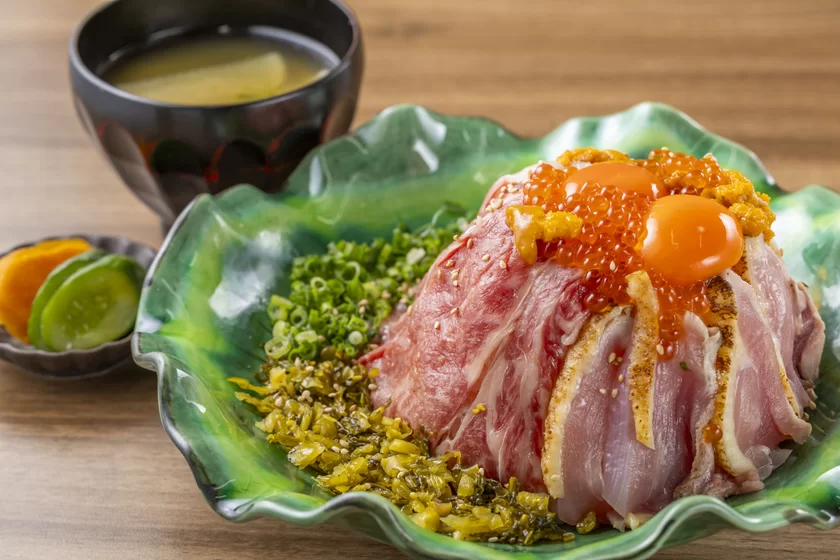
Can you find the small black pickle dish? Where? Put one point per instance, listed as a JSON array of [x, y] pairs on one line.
[[166, 153], [77, 364]]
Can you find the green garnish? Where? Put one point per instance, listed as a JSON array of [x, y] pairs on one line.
[[588, 524], [339, 299], [321, 413], [684, 366]]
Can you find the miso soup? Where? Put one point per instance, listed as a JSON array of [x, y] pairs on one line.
[[222, 69]]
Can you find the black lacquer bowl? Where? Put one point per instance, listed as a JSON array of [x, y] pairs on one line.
[[168, 154]]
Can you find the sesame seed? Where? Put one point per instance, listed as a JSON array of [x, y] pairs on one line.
[[278, 402], [335, 448], [485, 258], [612, 266], [619, 359], [611, 359], [344, 451], [502, 264], [493, 539], [438, 273], [309, 368], [614, 393], [602, 391], [454, 311], [410, 309], [455, 273], [621, 378], [372, 386], [455, 283], [470, 243], [660, 349], [556, 477], [437, 325], [805, 416], [363, 302], [456, 237], [305, 395], [450, 263], [362, 310], [481, 471]]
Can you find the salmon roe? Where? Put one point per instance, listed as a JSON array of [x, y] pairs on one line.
[[613, 221]]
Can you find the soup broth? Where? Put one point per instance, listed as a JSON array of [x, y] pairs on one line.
[[223, 69]]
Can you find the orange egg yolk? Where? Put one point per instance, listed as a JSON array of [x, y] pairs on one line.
[[668, 214], [689, 238], [626, 176]]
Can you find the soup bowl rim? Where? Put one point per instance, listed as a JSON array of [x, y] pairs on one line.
[[345, 61]]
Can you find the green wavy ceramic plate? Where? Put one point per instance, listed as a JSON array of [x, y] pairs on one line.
[[202, 316]]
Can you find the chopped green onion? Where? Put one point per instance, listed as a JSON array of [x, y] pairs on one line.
[[306, 336], [356, 338], [415, 255], [298, 317], [352, 271], [318, 285], [351, 288]]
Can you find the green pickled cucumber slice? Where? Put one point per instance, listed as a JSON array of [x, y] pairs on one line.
[[53, 282], [95, 305]]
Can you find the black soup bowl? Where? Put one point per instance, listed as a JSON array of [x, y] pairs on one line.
[[167, 153]]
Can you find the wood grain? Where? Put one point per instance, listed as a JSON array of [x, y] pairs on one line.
[[89, 472]]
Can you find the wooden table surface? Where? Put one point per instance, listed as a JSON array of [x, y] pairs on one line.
[[88, 470]]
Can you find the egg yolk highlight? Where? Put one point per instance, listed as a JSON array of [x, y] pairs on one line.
[[689, 238], [626, 176], [680, 218]]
